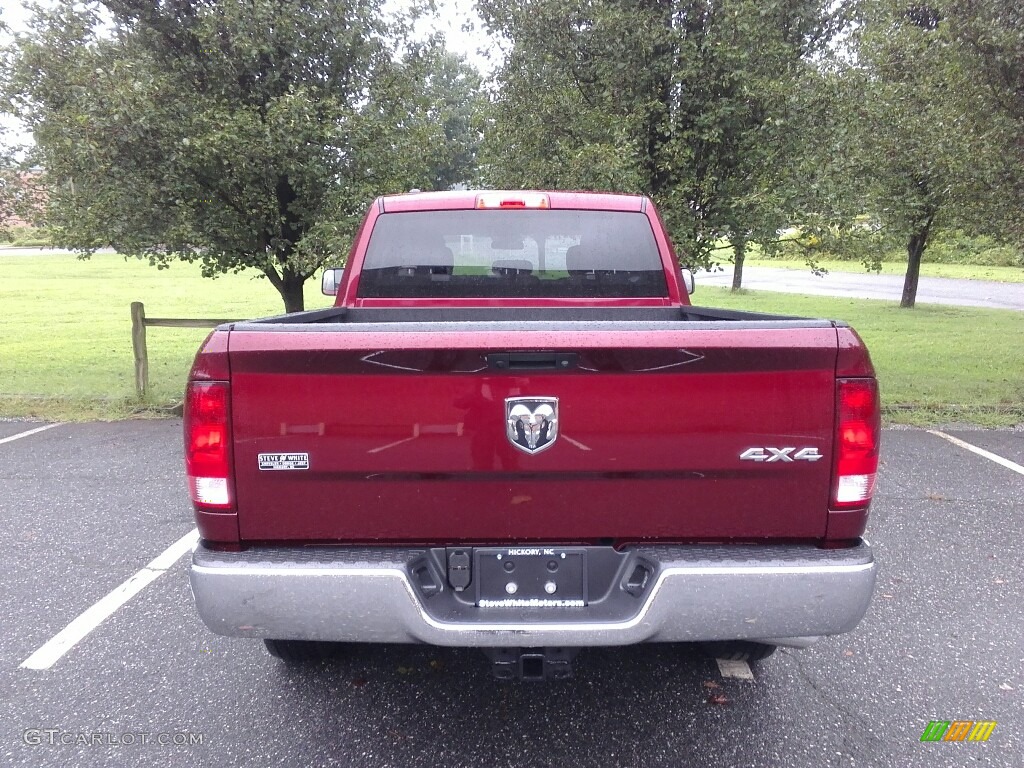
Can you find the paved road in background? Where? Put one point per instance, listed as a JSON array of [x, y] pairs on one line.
[[21, 250], [930, 290], [86, 506]]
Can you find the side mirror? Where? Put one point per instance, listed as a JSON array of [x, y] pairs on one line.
[[330, 281], [688, 281]]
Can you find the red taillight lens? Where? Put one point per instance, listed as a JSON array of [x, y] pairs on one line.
[[858, 429], [208, 443]]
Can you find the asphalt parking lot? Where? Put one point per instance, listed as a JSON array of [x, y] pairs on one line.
[[86, 506]]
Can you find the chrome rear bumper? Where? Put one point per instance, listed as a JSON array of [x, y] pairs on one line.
[[784, 594]]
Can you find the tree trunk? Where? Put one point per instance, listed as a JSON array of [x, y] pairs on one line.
[[289, 282], [915, 250], [658, 177], [739, 251], [289, 285], [291, 292]]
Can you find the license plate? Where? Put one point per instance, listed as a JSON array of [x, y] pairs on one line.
[[530, 577]]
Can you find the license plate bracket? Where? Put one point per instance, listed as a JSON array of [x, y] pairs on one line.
[[530, 577]]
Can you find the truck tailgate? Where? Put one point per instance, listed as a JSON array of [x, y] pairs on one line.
[[404, 433]]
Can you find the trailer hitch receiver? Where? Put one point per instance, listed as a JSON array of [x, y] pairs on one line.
[[532, 665]]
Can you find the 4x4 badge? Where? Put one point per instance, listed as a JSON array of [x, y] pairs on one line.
[[531, 423], [769, 455]]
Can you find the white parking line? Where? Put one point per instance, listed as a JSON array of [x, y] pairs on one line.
[[737, 670], [20, 435], [92, 617], [1010, 465]]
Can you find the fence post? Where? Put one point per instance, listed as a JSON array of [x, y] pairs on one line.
[[139, 348]]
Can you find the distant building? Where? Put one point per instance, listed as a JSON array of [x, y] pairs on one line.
[[28, 194]]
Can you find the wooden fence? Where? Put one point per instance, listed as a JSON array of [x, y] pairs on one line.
[[139, 324]]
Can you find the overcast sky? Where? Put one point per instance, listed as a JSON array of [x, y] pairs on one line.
[[453, 15]]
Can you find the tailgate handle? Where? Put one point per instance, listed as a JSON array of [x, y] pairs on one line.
[[532, 361]]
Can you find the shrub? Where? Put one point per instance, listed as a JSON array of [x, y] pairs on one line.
[[26, 237], [954, 247], [961, 248]]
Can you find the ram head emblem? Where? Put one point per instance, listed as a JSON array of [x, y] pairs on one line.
[[531, 422]]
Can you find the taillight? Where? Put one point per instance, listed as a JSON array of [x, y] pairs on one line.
[[858, 429], [208, 444]]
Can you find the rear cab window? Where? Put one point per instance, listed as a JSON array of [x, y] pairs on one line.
[[512, 254]]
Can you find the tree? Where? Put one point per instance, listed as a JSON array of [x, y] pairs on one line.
[[451, 92], [689, 101], [990, 34], [914, 147], [241, 135]]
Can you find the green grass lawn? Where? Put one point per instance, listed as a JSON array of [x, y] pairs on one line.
[[66, 353], [66, 329], [959, 271]]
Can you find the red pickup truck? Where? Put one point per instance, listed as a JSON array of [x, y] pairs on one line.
[[513, 431]]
